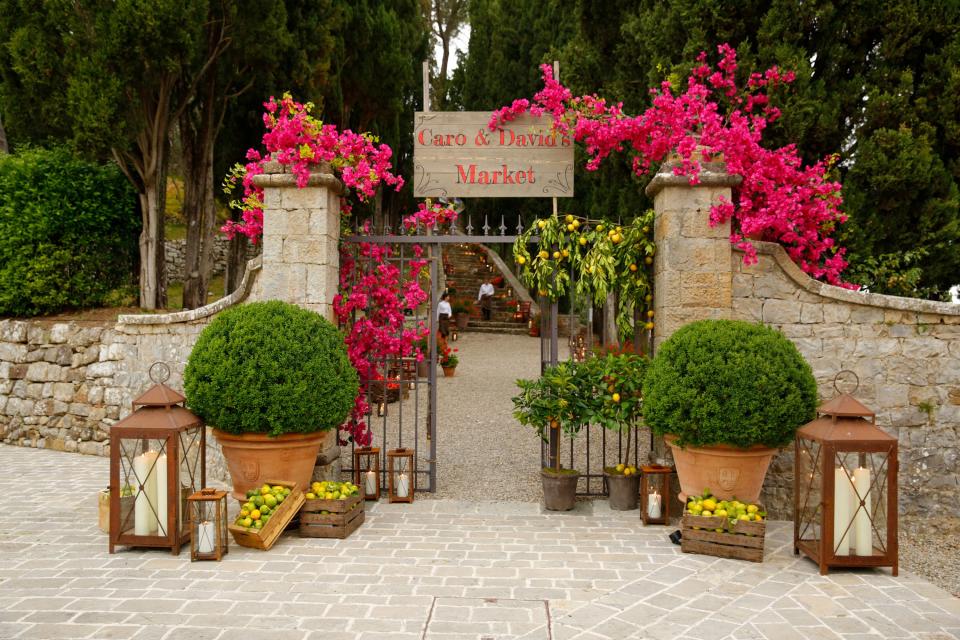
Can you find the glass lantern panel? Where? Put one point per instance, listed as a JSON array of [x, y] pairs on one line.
[[861, 503], [809, 499], [143, 486], [191, 461], [402, 477], [204, 522]]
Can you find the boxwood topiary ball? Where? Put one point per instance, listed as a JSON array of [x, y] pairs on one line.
[[270, 367], [728, 382]]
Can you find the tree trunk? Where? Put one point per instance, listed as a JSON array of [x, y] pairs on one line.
[[197, 131], [610, 334], [153, 290], [236, 263]]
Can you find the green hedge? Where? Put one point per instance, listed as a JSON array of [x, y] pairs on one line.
[[728, 382], [270, 367], [68, 232]]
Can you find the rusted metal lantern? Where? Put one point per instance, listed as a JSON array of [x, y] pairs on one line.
[[655, 493], [366, 471], [401, 475], [157, 460], [208, 525], [845, 488]]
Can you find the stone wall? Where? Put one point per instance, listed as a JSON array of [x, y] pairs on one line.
[[175, 253], [906, 353]]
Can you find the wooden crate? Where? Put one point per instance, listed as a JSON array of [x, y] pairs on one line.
[[741, 541], [266, 537], [343, 517]]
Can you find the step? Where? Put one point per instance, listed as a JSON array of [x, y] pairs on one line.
[[496, 324], [515, 331]]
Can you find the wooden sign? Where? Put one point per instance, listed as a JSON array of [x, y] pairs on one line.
[[456, 154]]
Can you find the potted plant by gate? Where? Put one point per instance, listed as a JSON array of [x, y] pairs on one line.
[[449, 361], [461, 312], [725, 395], [275, 382], [617, 382], [554, 402]]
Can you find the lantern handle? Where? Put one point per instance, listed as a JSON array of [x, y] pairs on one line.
[[208, 492], [159, 372], [836, 379]]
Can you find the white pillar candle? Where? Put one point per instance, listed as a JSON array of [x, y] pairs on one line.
[[145, 522], [653, 505], [841, 512], [864, 545], [160, 503], [370, 484], [206, 533], [854, 501], [403, 485]]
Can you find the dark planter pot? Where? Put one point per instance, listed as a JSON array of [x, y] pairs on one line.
[[559, 490], [624, 491], [423, 369], [463, 319]]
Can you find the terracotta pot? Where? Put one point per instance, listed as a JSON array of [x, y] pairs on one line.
[[463, 320], [255, 457], [624, 491], [727, 471], [559, 490], [423, 369], [448, 372]]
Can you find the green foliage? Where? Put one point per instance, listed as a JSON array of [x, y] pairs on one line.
[[896, 274], [621, 374], [68, 232], [728, 382], [553, 401], [270, 367]]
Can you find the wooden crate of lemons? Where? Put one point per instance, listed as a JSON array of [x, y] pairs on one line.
[[331, 510], [266, 513], [723, 528]]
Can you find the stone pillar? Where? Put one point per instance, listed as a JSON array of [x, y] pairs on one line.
[[301, 258], [301, 232], [692, 269]]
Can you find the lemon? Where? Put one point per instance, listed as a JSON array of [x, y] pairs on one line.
[[616, 397], [599, 227], [620, 468], [706, 513], [270, 500], [576, 224], [752, 508], [265, 489], [720, 513], [311, 496], [616, 238], [648, 260], [570, 227], [544, 255], [556, 255], [541, 224], [709, 504], [646, 229], [566, 254], [743, 516], [277, 487], [627, 472], [249, 506], [582, 241], [246, 522], [648, 297], [521, 260], [648, 326], [280, 498], [254, 515], [569, 218], [633, 267], [244, 513], [265, 511], [328, 496]]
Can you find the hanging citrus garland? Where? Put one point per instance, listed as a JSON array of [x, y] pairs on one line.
[[596, 257]]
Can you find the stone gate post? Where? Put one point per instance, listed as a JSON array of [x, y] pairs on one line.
[[301, 232], [692, 269], [301, 257]]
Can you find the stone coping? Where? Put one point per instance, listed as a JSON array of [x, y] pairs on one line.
[[830, 292], [206, 311], [278, 175], [712, 174]]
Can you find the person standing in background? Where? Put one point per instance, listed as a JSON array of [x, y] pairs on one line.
[[485, 298]]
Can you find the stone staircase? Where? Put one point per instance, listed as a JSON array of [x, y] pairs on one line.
[[470, 267]]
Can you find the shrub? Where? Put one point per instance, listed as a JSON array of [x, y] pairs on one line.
[[270, 367], [68, 232], [728, 382]]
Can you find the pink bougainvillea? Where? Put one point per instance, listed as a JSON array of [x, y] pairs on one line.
[[374, 292], [779, 199]]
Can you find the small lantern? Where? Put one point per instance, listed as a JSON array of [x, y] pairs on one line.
[[157, 460], [208, 525], [845, 488], [366, 471], [401, 475], [655, 493]]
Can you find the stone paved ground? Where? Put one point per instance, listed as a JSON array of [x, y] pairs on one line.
[[436, 569]]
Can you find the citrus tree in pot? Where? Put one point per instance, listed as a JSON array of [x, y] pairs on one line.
[[275, 382], [555, 401], [725, 395], [617, 381]]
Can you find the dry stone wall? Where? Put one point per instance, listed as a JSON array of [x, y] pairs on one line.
[[905, 352], [175, 254]]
